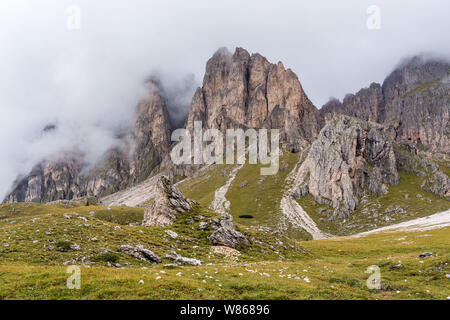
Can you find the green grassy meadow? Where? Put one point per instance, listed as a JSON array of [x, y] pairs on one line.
[[273, 267]]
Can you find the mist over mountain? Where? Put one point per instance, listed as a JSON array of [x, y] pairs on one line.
[[64, 90]]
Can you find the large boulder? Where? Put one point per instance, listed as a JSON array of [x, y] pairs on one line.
[[180, 260], [225, 234], [140, 253], [169, 201]]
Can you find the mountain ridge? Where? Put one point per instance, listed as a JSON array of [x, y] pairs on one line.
[[242, 90]]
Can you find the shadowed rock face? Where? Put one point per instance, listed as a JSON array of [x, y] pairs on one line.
[[247, 91], [413, 102], [167, 204], [349, 157], [418, 103], [151, 136], [53, 180]]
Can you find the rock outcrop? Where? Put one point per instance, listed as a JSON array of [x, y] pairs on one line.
[[225, 234], [349, 157], [180, 260], [247, 91], [421, 114], [48, 181], [139, 252], [167, 204]]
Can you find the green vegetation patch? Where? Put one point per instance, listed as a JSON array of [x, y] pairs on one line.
[[203, 187], [93, 235], [257, 195], [120, 215], [106, 257], [334, 269]]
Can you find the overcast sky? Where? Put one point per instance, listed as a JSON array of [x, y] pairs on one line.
[[88, 80]]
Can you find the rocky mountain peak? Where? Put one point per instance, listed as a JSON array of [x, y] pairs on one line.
[[412, 72], [49, 180], [243, 90]]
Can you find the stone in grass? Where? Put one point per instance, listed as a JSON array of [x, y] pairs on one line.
[[172, 234], [426, 255], [75, 247], [397, 266], [49, 247], [227, 237], [243, 184], [178, 259], [203, 226], [139, 252], [63, 246]]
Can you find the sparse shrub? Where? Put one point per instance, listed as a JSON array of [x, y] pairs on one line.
[[106, 257], [63, 246]]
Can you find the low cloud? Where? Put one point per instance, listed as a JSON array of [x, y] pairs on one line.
[[88, 81]]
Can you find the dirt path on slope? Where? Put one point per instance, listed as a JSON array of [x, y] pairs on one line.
[[293, 212], [299, 218], [220, 204]]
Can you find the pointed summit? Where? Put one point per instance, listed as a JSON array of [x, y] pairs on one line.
[[243, 90]]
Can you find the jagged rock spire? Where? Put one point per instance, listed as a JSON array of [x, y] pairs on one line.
[[243, 90]]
